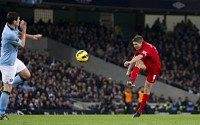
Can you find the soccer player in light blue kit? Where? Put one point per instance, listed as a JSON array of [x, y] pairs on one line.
[[10, 65]]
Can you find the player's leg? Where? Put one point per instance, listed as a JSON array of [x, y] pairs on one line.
[[23, 73], [4, 100], [145, 98], [5, 97], [22, 76], [1, 89], [8, 74], [152, 76], [136, 70]]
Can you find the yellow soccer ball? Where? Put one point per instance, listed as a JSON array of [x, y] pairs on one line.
[[82, 56]]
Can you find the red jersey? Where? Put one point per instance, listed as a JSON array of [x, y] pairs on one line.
[[150, 55]]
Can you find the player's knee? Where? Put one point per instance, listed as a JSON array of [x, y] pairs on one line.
[[147, 89], [138, 64], [27, 76], [7, 88]]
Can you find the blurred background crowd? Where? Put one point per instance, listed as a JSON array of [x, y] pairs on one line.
[[57, 85], [180, 58]]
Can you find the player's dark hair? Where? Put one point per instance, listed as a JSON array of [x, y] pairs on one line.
[[138, 39], [11, 16]]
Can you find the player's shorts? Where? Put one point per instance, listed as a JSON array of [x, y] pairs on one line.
[[153, 73], [9, 72]]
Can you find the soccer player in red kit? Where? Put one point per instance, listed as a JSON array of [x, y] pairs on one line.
[[146, 58]]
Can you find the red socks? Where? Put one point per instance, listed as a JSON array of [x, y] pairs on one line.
[[145, 98], [135, 73]]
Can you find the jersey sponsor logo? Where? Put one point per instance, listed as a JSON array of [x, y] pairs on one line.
[[145, 53]]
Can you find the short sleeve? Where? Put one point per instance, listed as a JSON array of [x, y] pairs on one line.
[[145, 52]]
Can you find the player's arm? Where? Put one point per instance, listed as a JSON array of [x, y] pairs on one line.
[[137, 58], [35, 37], [23, 35], [14, 40], [131, 65], [133, 61]]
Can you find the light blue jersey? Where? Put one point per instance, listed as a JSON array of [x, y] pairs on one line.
[[9, 46]]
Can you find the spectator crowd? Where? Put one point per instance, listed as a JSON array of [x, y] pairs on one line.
[[178, 50], [55, 84]]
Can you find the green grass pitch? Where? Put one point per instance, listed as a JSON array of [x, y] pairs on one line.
[[102, 120]]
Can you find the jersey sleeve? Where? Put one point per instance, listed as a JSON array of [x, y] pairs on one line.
[[145, 52], [14, 40], [136, 53]]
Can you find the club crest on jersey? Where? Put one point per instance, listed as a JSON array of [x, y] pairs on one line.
[[144, 52], [17, 39], [11, 80]]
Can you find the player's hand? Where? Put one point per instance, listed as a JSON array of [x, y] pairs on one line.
[[127, 63], [128, 73], [35, 37], [23, 26]]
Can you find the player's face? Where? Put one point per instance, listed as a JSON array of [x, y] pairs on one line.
[[16, 22], [137, 45]]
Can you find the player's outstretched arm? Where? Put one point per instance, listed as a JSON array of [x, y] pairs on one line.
[[35, 37]]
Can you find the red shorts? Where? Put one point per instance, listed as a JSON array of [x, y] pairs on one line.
[[153, 73]]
